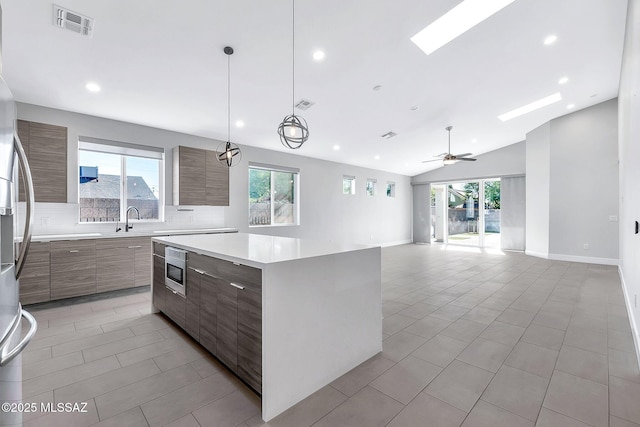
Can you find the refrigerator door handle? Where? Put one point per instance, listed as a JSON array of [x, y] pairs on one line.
[[6, 357], [28, 191]]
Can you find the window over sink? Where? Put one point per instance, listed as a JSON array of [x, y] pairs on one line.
[[273, 195], [115, 175]]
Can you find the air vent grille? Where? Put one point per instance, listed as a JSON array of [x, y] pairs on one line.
[[388, 135], [72, 21], [304, 104]]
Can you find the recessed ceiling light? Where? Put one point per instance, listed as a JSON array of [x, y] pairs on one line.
[[571, 106], [318, 55], [474, 140], [336, 147], [551, 39], [531, 107], [377, 157], [455, 22], [563, 80], [239, 124], [92, 87]]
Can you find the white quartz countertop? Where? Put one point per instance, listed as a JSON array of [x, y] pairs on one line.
[[121, 234], [257, 249]]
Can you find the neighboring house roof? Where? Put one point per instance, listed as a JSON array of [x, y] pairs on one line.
[[108, 187]]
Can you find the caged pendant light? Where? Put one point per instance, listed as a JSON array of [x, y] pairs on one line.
[[293, 130], [228, 152]]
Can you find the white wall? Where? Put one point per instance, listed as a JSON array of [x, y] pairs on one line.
[[572, 190], [537, 187], [506, 161], [325, 213], [629, 155], [584, 184]]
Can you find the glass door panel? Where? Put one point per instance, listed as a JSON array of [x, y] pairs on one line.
[[492, 213], [463, 213]]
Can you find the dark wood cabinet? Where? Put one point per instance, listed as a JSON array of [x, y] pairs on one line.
[[158, 296], [175, 307], [250, 336], [198, 178], [208, 313], [73, 268], [122, 263], [35, 281], [193, 303], [227, 328], [46, 149]]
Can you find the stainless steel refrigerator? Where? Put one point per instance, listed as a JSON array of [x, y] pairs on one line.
[[13, 336]]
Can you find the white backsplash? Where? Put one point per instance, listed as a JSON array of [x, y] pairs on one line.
[[62, 218]]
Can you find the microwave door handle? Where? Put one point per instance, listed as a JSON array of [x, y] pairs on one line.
[[28, 191], [6, 357]]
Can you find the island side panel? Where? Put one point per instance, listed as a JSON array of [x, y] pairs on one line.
[[322, 317]]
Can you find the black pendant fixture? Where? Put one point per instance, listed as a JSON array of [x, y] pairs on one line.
[[228, 152], [293, 130]]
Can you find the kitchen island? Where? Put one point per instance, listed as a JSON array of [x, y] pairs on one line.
[[288, 316]]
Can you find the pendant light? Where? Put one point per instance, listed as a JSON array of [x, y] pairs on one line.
[[229, 153], [293, 130]]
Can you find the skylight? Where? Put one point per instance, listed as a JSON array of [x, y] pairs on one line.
[[536, 105], [457, 21]]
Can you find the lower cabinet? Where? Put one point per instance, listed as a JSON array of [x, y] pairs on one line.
[[223, 311], [122, 263], [35, 281], [175, 307], [159, 292], [73, 268]]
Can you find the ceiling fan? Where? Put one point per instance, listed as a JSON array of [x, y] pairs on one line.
[[448, 158]]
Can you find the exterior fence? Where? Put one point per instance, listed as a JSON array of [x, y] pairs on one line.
[[260, 213]]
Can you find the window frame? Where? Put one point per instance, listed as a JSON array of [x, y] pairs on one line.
[[296, 194], [124, 150], [391, 189], [352, 186], [374, 185]]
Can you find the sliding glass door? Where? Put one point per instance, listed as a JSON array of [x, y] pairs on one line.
[[467, 213]]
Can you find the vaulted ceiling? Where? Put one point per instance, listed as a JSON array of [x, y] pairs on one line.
[[160, 63]]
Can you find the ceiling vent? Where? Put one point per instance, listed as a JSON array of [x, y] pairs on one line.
[[388, 135], [304, 104], [64, 18]]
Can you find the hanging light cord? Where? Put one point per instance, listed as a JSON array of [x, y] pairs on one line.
[[293, 56], [228, 97]]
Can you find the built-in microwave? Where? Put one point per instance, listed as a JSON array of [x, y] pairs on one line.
[[175, 267]]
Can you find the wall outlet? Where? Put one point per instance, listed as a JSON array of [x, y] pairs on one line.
[[371, 237], [45, 220], [585, 246], [613, 218]]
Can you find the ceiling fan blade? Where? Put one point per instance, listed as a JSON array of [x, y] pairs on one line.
[[434, 160], [466, 159], [441, 155], [463, 155]]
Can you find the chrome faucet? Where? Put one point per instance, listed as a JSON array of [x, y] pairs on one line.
[[128, 227]]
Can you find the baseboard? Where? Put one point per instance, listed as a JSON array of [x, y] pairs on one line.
[[537, 254], [632, 320], [584, 259]]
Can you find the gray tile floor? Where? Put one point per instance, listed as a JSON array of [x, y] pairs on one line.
[[470, 338]]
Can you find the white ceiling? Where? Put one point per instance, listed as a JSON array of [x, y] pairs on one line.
[[160, 63]]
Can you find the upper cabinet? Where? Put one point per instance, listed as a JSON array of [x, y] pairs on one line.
[[46, 149], [198, 178]]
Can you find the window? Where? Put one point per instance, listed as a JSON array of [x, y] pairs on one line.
[[273, 195], [116, 175], [348, 184], [391, 189], [370, 188]]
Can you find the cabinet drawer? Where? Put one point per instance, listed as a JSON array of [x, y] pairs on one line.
[[175, 307], [73, 268], [237, 273], [158, 248]]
